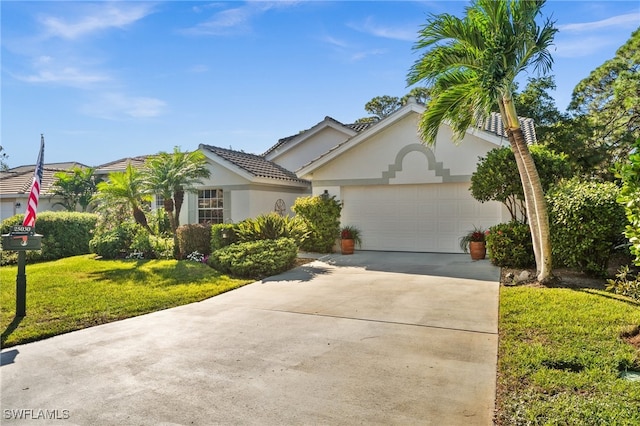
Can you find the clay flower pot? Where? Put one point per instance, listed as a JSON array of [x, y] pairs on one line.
[[478, 250]]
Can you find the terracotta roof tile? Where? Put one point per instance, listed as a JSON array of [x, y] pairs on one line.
[[494, 124]]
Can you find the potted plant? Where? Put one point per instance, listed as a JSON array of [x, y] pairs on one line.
[[349, 238], [474, 242]]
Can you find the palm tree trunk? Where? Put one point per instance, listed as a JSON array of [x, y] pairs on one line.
[[141, 219], [178, 199], [167, 202], [534, 195]]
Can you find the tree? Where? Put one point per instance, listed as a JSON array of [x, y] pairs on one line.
[[3, 157], [383, 106], [496, 177], [471, 65], [609, 99], [536, 103], [76, 186], [170, 176], [125, 188]]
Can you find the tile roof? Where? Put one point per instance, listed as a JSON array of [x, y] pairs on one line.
[[56, 166], [494, 124], [20, 183], [254, 164], [121, 164]]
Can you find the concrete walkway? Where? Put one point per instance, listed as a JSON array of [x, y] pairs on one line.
[[372, 338]]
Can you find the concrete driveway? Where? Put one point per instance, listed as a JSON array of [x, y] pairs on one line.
[[372, 338]]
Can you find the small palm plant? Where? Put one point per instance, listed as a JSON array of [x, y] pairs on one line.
[[350, 232]]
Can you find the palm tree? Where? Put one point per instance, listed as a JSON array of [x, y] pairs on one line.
[[171, 175], [125, 187], [470, 65], [76, 186]]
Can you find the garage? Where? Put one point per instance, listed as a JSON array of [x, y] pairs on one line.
[[423, 218]]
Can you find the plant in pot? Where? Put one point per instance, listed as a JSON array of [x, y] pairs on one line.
[[474, 242], [349, 238]]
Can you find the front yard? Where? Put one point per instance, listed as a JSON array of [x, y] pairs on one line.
[[561, 355], [78, 292]]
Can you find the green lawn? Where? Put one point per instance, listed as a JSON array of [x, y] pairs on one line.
[[79, 292], [560, 357]]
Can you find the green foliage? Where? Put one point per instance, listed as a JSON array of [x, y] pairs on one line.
[[497, 178], [586, 223], [536, 103], [630, 198], [321, 216], [158, 220], [509, 245], [476, 235], [271, 226], [350, 232], [64, 234], [117, 242], [161, 247], [195, 237], [76, 187], [218, 233], [625, 284], [255, 259]]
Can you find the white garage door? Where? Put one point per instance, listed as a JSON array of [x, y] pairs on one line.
[[422, 218]]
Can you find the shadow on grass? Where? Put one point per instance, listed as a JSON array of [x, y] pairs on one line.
[[140, 272], [10, 329]]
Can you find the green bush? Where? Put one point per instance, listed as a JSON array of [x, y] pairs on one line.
[[255, 259], [194, 237], [625, 284], [509, 245], [586, 223], [321, 216], [272, 226], [115, 243], [162, 247], [64, 234], [629, 198], [218, 233]]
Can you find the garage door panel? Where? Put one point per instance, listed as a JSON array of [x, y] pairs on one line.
[[428, 217]]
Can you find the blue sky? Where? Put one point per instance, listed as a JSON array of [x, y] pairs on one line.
[[108, 80]]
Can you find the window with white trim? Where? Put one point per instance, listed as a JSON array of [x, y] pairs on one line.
[[210, 206]]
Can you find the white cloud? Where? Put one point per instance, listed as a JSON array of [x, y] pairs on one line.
[[368, 26], [103, 17], [49, 73], [629, 20], [114, 106], [582, 47]]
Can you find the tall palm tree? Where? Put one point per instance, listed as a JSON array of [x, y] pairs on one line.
[[171, 175], [470, 65], [125, 187]]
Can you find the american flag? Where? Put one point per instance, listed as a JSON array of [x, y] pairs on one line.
[[32, 206]]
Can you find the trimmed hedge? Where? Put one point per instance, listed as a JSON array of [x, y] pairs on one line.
[[256, 259], [586, 223], [217, 240], [64, 234], [116, 243], [322, 218], [509, 245], [194, 237]]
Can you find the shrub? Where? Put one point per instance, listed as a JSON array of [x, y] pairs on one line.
[[509, 245], [625, 284], [271, 226], [64, 234], [629, 197], [195, 237], [321, 216], [255, 259], [586, 223], [218, 233], [115, 243], [162, 247]]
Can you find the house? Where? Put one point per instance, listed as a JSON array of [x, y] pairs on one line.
[[403, 195]]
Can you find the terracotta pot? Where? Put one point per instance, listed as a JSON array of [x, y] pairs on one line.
[[478, 250], [346, 246]]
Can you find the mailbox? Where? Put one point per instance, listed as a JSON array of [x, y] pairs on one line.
[[21, 238]]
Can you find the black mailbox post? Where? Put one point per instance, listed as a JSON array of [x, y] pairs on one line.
[[21, 239]]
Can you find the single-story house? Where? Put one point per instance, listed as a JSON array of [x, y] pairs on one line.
[[403, 195]]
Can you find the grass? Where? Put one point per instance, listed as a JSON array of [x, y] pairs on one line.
[[78, 292], [560, 356]]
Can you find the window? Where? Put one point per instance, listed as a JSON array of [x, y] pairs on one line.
[[210, 206], [159, 202]]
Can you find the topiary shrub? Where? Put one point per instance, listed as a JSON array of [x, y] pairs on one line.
[[219, 232], [115, 243], [255, 259], [509, 245], [321, 216], [194, 237], [64, 234], [586, 223], [271, 226]]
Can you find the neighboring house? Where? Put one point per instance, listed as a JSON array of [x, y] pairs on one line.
[[15, 185], [402, 195]]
